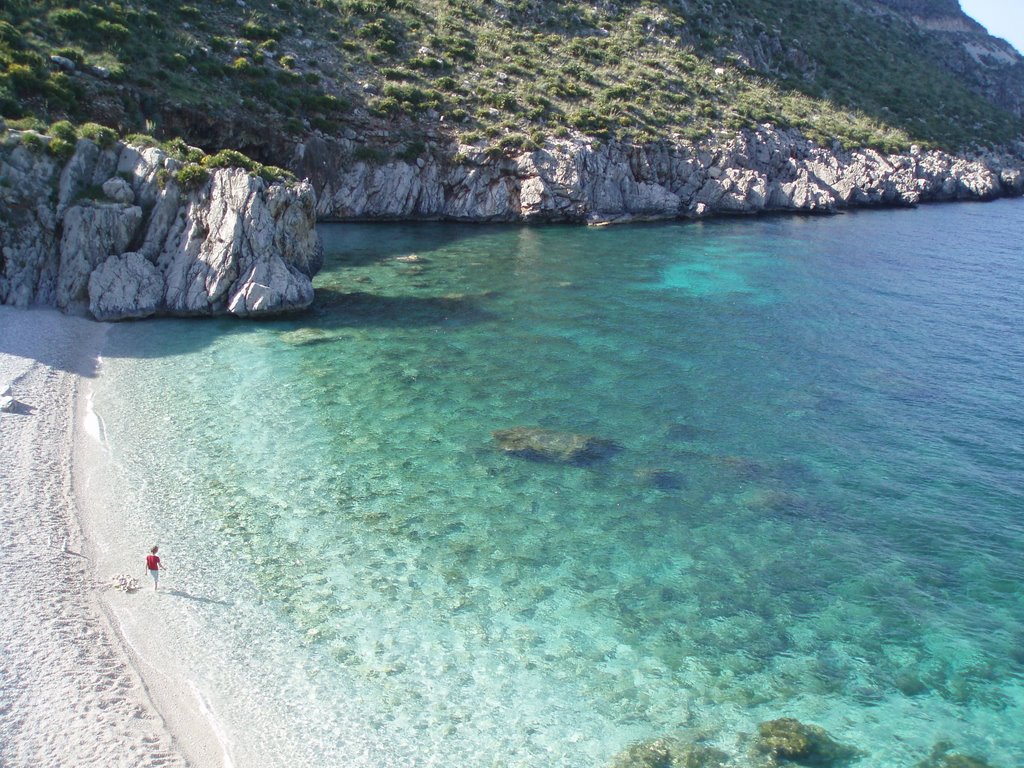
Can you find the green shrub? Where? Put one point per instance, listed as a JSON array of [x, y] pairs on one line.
[[32, 142], [230, 158], [64, 131], [61, 148], [143, 140], [271, 174], [25, 80], [61, 90], [412, 97], [176, 61], [254, 30], [110, 31], [191, 177], [72, 20], [10, 35], [288, 62], [72, 54], [179, 149]]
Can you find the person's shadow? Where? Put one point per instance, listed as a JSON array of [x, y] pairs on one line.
[[196, 598]]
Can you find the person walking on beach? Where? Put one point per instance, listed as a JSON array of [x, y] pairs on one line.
[[154, 567]]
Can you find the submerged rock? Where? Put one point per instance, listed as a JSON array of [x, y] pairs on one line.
[[669, 753], [550, 445], [789, 739], [662, 479], [305, 337], [682, 432], [941, 757]]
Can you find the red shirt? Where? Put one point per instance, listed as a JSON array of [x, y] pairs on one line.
[[152, 562]]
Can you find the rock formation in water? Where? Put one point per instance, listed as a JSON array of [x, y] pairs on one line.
[[112, 232], [578, 180], [550, 445], [791, 740]]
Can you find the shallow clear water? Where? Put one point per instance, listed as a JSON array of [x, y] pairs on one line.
[[817, 508]]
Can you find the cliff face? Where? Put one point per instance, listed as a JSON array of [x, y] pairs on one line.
[[111, 232], [576, 180], [991, 67]]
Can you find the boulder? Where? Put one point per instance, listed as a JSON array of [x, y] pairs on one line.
[[92, 232], [942, 757], [789, 739], [119, 190], [124, 287], [669, 753], [1012, 180], [550, 445], [62, 62]]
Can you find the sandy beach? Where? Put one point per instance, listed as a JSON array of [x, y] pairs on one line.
[[73, 692]]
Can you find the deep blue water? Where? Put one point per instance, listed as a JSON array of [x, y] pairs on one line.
[[816, 508]]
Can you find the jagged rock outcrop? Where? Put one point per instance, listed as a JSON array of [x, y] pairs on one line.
[[111, 231], [576, 180], [125, 286], [76, 234]]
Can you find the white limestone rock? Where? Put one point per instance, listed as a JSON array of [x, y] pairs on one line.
[[125, 287], [91, 233], [119, 190], [89, 166], [29, 261], [238, 246]]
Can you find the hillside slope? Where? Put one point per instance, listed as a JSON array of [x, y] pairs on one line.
[[261, 76]]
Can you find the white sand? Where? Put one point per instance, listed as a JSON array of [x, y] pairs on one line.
[[73, 692]]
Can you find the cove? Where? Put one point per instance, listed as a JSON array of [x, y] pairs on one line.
[[813, 509]]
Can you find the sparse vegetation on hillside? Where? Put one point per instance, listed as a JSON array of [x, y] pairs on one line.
[[505, 73]]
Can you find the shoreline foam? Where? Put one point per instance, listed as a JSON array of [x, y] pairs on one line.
[[71, 691]]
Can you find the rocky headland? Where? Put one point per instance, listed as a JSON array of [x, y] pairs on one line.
[[112, 232]]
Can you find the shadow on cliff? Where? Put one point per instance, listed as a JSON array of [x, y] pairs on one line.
[[334, 308]]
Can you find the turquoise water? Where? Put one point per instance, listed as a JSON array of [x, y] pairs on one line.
[[816, 509]]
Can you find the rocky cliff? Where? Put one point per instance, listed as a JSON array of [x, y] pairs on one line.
[[577, 180], [112, 232]]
